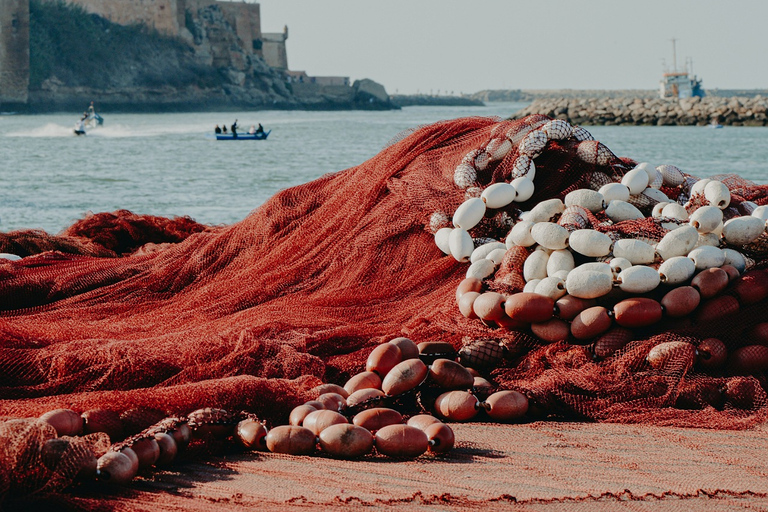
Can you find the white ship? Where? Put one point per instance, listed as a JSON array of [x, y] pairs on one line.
[[677, 83]]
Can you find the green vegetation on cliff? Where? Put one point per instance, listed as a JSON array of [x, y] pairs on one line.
[[82, 49]]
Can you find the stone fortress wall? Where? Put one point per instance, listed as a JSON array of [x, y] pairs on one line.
[[169, 17], [14, 51], [163, 15], [166, 16]]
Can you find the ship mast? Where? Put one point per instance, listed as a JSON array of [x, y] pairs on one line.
[[674, 55]]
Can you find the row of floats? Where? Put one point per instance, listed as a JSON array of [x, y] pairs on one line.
[[603, 262], [345, 422]]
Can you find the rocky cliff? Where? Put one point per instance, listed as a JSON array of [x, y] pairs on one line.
[[76, 57]]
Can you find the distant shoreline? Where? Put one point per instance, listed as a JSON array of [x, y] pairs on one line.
[[507, 95], [411, 100]]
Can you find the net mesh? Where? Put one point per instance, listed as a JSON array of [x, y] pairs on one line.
[[137, 313]]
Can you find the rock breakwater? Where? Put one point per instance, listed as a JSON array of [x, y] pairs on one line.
[[733, 111]]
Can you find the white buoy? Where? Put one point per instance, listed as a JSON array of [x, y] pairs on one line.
[[550, 235], [484, 250], [533, 143], [706, 219], [588, 284], [498, 148], [545, 210], [524, 187], [706, 256], [636, 251], [595, 266], [581, 134], [465, 175], [717, 194], [658, 208], [535, 266], [619, 211], [482, 160], [530, 286], [675, 211], [557, 129], [587, 199], [524, 166], [735, 259], [441, 239], [481, 269], [677, 270], [708, 239], [649, 170], [590, 242], [521, 233], [497, 255], [698, 187], [461, 244], [636, 181], [761, 212], [678, 242], [743, 230], [639, 279], [498, 195], [672, 176], [614, 191], [552, 287], [619, 264], [469, 213], [655, 195], [559, 261], [656, 181]]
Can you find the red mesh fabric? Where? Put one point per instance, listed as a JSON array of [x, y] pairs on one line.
[[104, 234], [250, 316]]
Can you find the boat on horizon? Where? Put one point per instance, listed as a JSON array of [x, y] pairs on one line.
[[682, 83]]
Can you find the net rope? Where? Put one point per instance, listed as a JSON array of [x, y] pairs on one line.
[[129, 312]]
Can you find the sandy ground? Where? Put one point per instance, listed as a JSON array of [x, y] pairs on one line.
[[538, 466]]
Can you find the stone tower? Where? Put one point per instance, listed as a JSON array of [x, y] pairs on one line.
[[14, 52]]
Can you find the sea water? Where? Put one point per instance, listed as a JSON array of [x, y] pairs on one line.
[[169, 165]]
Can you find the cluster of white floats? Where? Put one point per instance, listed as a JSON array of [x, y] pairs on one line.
[[692, 243]]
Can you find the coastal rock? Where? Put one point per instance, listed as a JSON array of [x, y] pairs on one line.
[[371, 95], [735, 111]]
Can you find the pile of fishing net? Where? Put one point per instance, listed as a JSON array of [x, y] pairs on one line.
[[150, 318]]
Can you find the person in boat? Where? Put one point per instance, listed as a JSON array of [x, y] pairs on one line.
[[259, 130], [223, 128], [91, 111], [217, 129], [80, 127], [233, 129], [252, 129]]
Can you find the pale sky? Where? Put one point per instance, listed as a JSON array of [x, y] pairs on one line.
[[466, 46]]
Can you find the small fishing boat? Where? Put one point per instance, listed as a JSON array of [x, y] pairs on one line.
[[243, 136]]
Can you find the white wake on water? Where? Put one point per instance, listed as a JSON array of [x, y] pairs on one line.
[[116, 131], [49, 130]]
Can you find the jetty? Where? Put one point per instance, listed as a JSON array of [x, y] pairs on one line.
[[693, 111]]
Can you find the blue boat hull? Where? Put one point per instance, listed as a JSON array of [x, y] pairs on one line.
[[243, 136]]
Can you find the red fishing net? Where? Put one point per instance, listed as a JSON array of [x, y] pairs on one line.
[[148, 316]]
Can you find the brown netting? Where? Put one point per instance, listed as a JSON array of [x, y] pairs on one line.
[[141, 313]]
